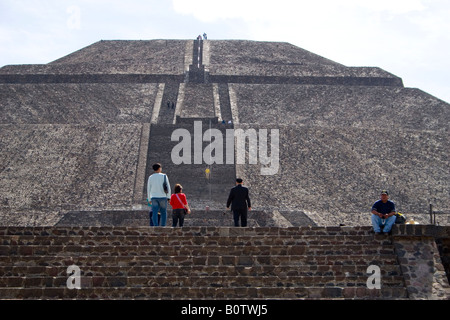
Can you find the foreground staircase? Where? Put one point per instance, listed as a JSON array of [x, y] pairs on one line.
[[140, 218], [196, 263]]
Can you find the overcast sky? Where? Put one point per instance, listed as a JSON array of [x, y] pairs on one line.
[[409, 38]]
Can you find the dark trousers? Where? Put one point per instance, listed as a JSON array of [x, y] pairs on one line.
[[240, 213], [178, 217]]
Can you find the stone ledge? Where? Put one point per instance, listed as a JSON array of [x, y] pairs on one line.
[[409, 230]]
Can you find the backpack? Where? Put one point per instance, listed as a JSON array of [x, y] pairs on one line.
[[400, 218], [165, 187]]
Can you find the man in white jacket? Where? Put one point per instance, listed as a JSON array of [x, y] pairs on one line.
[[157, 196]]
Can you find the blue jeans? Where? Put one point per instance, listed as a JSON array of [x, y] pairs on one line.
[[377, 222], [150, 214], [159, 204]]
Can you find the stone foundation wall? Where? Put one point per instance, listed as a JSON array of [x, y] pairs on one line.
[[420, 261], [212, 262]]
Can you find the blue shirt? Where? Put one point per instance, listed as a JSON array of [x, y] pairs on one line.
[[384, 208]]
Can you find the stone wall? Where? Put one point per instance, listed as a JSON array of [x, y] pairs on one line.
[[92, 103], [115, 57], [118, 262], [341, 145], [50, 169], [326, 175], [386, 108], [69, 146], [277, 59], [421, 264]]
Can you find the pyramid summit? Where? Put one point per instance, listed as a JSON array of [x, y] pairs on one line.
[[273, 61], [79, 135]]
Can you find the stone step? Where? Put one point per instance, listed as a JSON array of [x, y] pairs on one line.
[[200, 270], [189, 260], [189, 231], [188, 221], [224, 222], [199, 217], [189, 240], [166, 114], [200, 281], [182, 293], [193, 250]]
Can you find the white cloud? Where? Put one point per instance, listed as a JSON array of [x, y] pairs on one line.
[[391, 6], [397, 35], [74, 19], [251, 10]]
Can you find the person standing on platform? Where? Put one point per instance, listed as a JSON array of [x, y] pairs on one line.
[[240, 203], [158, 191], [180, 206]]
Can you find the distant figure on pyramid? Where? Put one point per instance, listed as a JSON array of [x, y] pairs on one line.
[[205, 37], [199, 37]]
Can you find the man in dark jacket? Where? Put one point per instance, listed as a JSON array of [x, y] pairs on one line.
[[239, 201]]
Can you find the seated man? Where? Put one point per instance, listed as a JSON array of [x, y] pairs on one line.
[[383, 214]]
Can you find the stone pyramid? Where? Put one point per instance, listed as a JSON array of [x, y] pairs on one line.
[[78, 135]]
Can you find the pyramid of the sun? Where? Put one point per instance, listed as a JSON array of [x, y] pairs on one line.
[[80, 134]]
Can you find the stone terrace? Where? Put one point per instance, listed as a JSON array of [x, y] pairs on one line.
[[80, 104], [115, 57], [39, 171], [250, 58], [335, 181], [340, 145], [342, 106]]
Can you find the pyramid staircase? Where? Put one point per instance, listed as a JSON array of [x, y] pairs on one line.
[[196, 263], [201, 190]]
